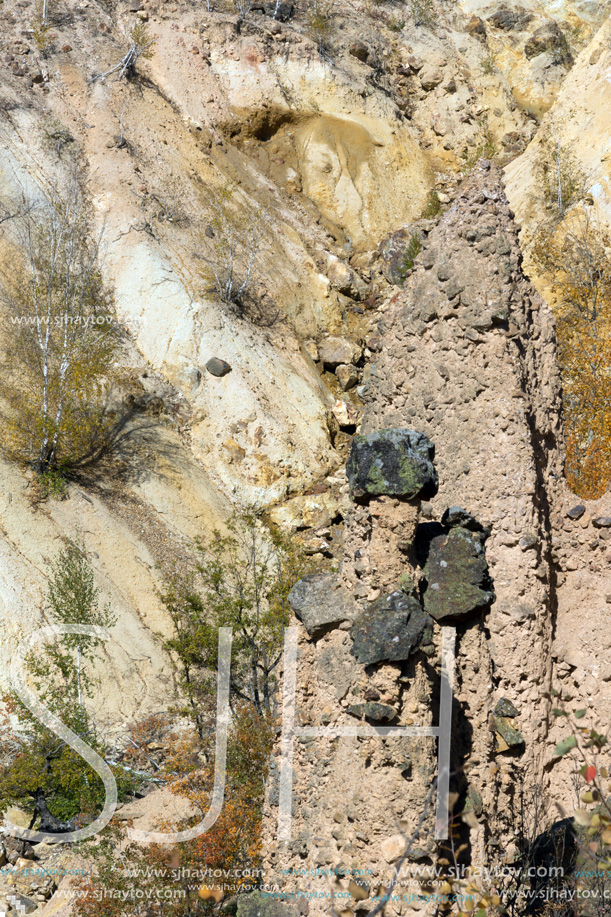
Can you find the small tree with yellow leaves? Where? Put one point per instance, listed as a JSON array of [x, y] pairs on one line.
[[575, 261]]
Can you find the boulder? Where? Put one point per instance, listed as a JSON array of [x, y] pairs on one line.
[[393, 847], [430, 77], [528, 541], [347, 376], [549, 37], [395, 462], [457, 578], [335, 667], [321, 603], [379, 713], [390, 629], [15, 847], [22, 903], [345, 413], [218, 367], [346, 281], [398, 251], [335, 350]]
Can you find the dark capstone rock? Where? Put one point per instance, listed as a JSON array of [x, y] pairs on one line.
[[456, 571], [258, 904], [505, 708], [321, 603], [395, 462], [217, 367], [456, 515], [390, 629], [549, 37], [380, 713], [512, 737], [577, 511], [602, 522]]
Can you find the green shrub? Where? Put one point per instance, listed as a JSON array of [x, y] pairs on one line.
[[414, 247]]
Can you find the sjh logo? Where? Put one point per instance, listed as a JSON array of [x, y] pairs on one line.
[[289, 733]]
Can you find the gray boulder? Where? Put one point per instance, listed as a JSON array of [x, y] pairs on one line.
[[396, 462], [218, 367], [335, 350], [321, 603], [392, 628]]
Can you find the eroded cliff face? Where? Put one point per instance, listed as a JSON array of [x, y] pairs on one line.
[[336, 151]]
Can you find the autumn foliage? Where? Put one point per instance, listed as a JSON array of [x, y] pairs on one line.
[[575, 260], [179, 880]]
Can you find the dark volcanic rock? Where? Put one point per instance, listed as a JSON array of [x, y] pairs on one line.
[[512, 736], [504, 707], [457, 516], [390, 629], [379, 713], [395, 462], [217, 367], [456, 571], [576, 512], [321, 603]]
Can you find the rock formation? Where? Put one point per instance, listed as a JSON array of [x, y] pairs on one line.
[[389, 395]]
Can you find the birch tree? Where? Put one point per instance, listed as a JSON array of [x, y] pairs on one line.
[[59, 336]]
